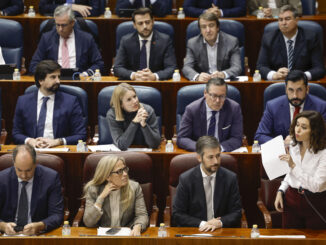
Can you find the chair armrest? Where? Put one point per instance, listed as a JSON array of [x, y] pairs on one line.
[[153, 219], [79, 216], [4, 133], [244, 223], [266, 214]]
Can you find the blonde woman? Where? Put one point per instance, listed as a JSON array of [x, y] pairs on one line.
[[130, 122], [112, 200]]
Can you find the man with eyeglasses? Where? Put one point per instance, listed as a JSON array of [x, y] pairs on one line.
[[211, 54], [214, 115], [68, 45], [290, 47]]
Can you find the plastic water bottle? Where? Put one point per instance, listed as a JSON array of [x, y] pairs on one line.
[[31, 11], [260, 13], [66, 231], [254, 232], [255, 147], [162, 231], [97, 76], [181, 14], [176, 76], [257, 76], [169, 146], [80, 146], [107, 13], [16, 75]]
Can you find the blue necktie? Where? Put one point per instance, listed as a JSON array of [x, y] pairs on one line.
[[290, 54], [143, 56], [41, 118], [212, 125], [22, 217]]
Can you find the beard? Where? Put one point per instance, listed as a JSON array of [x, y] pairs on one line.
[[300, 101], [54, 88]]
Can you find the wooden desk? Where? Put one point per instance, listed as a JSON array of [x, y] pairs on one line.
[[224, 236]]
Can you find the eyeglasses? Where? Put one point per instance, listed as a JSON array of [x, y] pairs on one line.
[[61, 25], [215, 96], [120, 171]]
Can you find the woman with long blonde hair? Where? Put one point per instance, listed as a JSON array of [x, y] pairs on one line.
[[112, 200]]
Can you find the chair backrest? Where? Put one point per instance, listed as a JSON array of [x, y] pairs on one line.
[[140, 170], [11, 41], [128, 27], [232, 27], [72, 90], [278, 89], [188, 94], [146, 95], [308, 7]]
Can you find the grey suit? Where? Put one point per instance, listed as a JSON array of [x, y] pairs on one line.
[[253, 5], [134, 214], [228, 56]]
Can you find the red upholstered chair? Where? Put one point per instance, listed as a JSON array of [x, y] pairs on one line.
[[182, 163], [51, 161], [140, 170]]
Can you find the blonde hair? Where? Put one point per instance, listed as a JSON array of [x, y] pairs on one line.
[[116, 99], [103, 170]]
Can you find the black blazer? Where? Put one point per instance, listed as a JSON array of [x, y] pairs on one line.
[[12, 7]]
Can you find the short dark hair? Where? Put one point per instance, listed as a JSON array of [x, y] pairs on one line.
[[291, 8], [217, 82], [296, 76], [141, 11], [205, 142], [209, 17], [317, 127], [27, 148], [43, 68]]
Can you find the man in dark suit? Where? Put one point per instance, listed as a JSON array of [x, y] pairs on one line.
[[84, 8], [31, 196], [222, 8], [47, 117], [70, 46], [159, 8], [145, 55], [207, 195], [214, 115], [290, 47], [279, 112], [11, 7], [213, 53]]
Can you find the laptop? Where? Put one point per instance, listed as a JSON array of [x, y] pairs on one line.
[[125, 12], [69, 74], [6, 71]]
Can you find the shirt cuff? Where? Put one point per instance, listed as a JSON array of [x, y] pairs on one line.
[[270, 75], [131, 75], [195, 77], [226, 75], [26, 140], [308, 74], [202, 224], [221, 12], [157, 77], [132, 1], [64, 141], [153, 1]]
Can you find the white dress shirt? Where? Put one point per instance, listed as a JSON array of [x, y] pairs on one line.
[[143, 1], [29, 188], [308, 173], [48, 126], [2, 61], [71, 49]]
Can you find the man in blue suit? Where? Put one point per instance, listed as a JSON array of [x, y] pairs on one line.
[[31, 197], [159, 8], [222, 8], [279, 112], [69, 46], [214, 115], [207, 195], [48, 117], [11, 7], [290, 48]]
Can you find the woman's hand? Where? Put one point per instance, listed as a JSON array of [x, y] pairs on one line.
[[287, 157], [108, 188], [135, 230], [279, 201]]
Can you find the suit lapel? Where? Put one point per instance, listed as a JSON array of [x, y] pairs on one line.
[[78, 49], [134, 47], [299, 46], [221, 119], [285, 114], [34, 113], [203, 61], [37, 185], [14, 191], [56, 114], [282, 47], [221, 52], [218, 190], [308, 105], [152, 51], [198, 178], [56, 45], [203, 118]]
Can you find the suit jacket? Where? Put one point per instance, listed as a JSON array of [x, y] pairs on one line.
[[230, 8], [12, 7], [160, 8], [307, 53], [253, 5], [87, 54], [228, 56], [67, 122], [136, 213], [194, 125], [47, 7], [46, 201], [276, 118], [189, 204], [161, 60]]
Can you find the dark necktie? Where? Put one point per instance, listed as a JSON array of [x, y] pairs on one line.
[[22, 218], [41, 118], [143, 56], [296, 111], [212, 125], [290, 54]]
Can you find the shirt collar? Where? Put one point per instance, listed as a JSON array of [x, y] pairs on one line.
[[40, 96], [149, 38], [293, 38], [29, 181], [208, 109], [71, 36], [203, 174], [216, 42]]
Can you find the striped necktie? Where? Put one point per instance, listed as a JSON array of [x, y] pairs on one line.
[[290, 54]]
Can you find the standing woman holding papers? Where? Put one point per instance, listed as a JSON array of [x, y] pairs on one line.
[[302, 195], [112, 200], [131, 122]]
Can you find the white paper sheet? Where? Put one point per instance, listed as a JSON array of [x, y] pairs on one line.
[[241, 79], [125, 231], [140, 149], [52, 149], [96, 148], [241, 149], [270, 152], [284, 236]]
